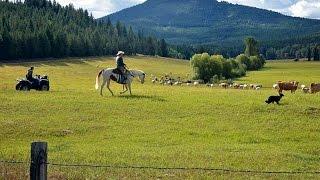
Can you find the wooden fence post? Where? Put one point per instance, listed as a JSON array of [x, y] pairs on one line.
[[38, 166]]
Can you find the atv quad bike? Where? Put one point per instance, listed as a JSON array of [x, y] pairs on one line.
[[38, 83]]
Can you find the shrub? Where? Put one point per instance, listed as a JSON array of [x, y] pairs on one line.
[[243, 59], [216, 67], [215, 79], [206, 66], [257, 62], [227, 69], [238, 69]]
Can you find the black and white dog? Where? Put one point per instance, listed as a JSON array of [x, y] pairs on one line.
[[273, 99]]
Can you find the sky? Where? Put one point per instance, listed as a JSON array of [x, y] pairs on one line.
[[298, 8]]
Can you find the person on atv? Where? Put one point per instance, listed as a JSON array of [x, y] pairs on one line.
[[30, 77], [29, 74]]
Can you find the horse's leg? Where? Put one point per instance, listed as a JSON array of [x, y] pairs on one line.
[[108, 86], [129, 86], [124, 91], [102, 85]]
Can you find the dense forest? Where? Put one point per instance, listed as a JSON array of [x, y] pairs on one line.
[[41, 29]]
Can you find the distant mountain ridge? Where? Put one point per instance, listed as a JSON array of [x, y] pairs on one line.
[[210, 21]]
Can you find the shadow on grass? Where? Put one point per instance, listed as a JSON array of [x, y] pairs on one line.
[[140, 97], [280, 104], [266, 69], [45, 62]]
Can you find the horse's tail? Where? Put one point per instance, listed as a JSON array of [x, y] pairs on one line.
[[97, 79]]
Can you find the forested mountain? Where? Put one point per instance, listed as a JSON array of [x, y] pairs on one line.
[[41, 28], [210, 21], [219, 27]]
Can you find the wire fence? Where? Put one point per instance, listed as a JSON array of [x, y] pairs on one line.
[[226, 170]]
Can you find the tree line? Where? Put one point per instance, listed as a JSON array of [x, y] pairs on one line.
[[216, 67], [44, 28], [269, 50]]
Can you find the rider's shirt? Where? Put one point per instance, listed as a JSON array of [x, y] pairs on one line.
[[119, 61], [29, 74]]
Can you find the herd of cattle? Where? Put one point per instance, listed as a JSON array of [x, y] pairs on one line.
[[280, 86], [293, 86]]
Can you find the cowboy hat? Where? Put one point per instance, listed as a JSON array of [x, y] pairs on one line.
[[120, 52]]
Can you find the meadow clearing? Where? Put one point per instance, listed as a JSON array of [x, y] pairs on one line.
[[160, 126]]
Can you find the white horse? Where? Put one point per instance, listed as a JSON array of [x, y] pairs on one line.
[[109, 75]]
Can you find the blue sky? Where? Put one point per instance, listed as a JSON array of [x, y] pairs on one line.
[[299, 8]]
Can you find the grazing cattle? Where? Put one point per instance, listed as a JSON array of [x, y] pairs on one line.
[[306, 90], [315, 88], [177, 83], [275, 86], [224, 85], [236, 86], [255, 86], [288, 86]]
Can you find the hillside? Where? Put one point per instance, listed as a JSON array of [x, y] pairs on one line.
[[210, 21]]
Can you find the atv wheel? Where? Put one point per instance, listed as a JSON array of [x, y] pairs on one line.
[[24, 88], [44, 87]]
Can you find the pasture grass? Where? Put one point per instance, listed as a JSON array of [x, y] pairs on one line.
[[160, 126]]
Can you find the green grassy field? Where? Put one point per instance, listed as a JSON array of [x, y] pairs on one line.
[[160, 126]]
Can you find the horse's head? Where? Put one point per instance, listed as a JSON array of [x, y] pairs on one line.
[[140, 74], [142, 77]]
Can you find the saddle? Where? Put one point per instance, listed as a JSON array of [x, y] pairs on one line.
[[117, 71], [121, 77]]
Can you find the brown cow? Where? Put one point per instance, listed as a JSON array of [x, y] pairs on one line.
[[315, 88], [288, 86]]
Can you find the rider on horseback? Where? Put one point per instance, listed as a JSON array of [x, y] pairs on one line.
[[121, 66]]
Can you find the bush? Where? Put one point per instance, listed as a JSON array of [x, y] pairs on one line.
[[243, 59], [206, 66], [215, 79], [255, 63], [238, 69], [216, 67], [227, 69]]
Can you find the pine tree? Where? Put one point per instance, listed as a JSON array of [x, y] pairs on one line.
[[251, 47], [309, 54], [163, 48], [316, 53]]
